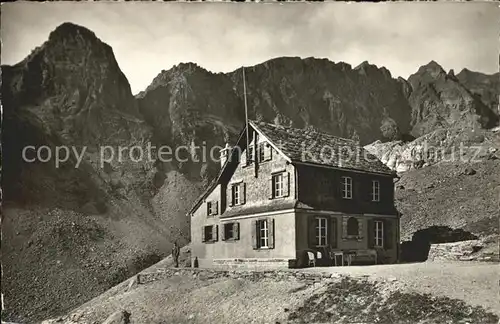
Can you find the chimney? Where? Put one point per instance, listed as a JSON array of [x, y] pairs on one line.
[[224, 153]]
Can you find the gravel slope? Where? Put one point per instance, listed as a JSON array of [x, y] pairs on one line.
[[180, 296]]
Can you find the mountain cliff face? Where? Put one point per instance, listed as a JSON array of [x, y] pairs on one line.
[[485, 87], [80, 230], [71, 232], [438, 100]]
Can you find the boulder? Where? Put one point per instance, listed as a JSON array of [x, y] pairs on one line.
[[469, 171], [118, 317]]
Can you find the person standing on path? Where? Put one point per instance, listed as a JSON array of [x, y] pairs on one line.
[[175, 254]]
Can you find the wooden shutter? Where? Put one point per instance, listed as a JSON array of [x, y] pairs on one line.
[[203, 234], [231, 192], [270, 188], [236, 231], [254, 235], [267, 151], [243, 193], [360, 227], [388, 234], [344, 226], [333, 232], [286, 179], [270, 237], [311, 229], [223, 232], [216, 207], [371, 233], [215, 233]]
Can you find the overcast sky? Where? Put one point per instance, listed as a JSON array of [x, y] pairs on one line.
[[221, 37]]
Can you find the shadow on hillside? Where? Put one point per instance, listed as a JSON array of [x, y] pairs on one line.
[[417, 250]]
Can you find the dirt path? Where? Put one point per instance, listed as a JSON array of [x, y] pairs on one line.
[[475, 283]]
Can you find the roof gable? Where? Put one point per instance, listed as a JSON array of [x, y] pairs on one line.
[[302, 146], [316, 148]]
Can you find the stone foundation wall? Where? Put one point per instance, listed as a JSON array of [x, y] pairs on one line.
[[251, 263], [247, 274]]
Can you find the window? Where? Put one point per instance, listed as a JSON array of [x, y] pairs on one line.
[[347, 187], [352, 226], [212, 207], [237, 194], [379, 233], [231, 232], [263, 233], [264, 152], [321, 230], [277, 183], [262, 147], [209, 233], [375, 190], [263, 229]]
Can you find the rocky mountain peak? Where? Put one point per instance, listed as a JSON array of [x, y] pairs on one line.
[[428, 72], [441, 99], [68, 30], [71, 82]]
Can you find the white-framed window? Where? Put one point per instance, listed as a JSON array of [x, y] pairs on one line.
[[347, 187], [235, 189], [265, 152], [263, 228], [277, 183], [261, 148], [321, 231], [379, 233], [238, 194], [375, 190]]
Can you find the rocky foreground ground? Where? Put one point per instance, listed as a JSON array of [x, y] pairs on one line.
[[430, 292]]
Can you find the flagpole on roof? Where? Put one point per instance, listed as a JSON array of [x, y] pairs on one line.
[[246, 112]]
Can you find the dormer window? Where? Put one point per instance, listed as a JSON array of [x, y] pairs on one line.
[[212, 208], [347, 187], [375, 190]]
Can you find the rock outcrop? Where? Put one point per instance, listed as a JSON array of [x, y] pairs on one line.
[[439, 100]]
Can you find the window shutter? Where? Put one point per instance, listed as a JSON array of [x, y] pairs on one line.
[[243, 193], [287, 184], [208, 209], [254, 235], [270, 188], [236, 231], [231, 201], [215, 232], [344, 226], [270, 224], [216, 208], [360, 227], [223, 232], [333, 232], [388, 234], [267, 151], [371, 233], [311, 229], [203, 234]]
